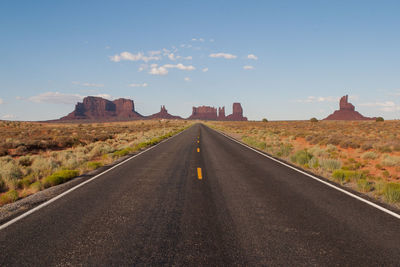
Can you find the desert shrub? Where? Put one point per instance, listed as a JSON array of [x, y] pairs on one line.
[[379, 119], [25, 161], [94, 165], [301, 157], [364, 185], [264, 120], [385, 174], [391, 192], [313, 163], [10, 172], [36, 186], [59, 177], [330, 164], [25, 182], [9, 197], [122, 152], [3, 186], [384, 149], [43, 166], [346, 176], [346, 143], [317, 151], [331, 148], [367, 146], [313, 120], [284, 150], [390, 161], [254, 143], [100, 149], [369, 155]]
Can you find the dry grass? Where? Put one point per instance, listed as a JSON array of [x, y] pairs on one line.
[[34, 156], [364, 155]]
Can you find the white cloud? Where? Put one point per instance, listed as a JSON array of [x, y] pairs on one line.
[[171, 56], [93, 84], [134, 57], [204, 70], [155, 52], [56, 98], [379, 104], [158, 71], [179, 66], [252, 56], [88, 84], [386, 106], [222, 55], [194, 39], [1, 101], [138, 85], [60, 98], [313, 99], [187, 79], [247, 67], [115, 58], [163, 70], [8, 117], [108, 47], [188, 58]]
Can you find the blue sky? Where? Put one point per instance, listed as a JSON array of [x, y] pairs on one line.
[[283, 60]]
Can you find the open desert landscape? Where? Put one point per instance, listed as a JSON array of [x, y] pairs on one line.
[[35, 156], [363, 155], [199, 133]]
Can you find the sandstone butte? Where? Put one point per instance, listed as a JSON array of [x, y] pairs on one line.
[[210, 113], [346, 112], [99, 109]]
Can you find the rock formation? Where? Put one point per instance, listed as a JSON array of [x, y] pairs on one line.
[[204, 113], [97, 108], [210, 113], [221, 114], [237, 113], [346, 112], [163, 114]]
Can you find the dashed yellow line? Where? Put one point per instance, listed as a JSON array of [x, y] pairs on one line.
[[198, 149], [199, 174]]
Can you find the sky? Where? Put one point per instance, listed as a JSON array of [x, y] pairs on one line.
[[282, 60]]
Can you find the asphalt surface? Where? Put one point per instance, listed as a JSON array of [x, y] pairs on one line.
[[246, 210]]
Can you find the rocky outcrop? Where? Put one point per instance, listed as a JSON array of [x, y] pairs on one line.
[[346, 112], [237, 113], [204, 113], [210, 113], [163, 114], [221, 114], [100, 109]]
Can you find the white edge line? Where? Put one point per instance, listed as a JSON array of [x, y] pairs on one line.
[[48, 202], [316, 178]]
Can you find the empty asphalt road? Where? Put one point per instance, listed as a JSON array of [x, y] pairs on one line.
[[245, 210]]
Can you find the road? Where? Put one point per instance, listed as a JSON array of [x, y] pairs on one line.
[[246, 210]]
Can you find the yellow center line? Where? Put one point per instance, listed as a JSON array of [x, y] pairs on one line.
[[199, 175], [198, 149]]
